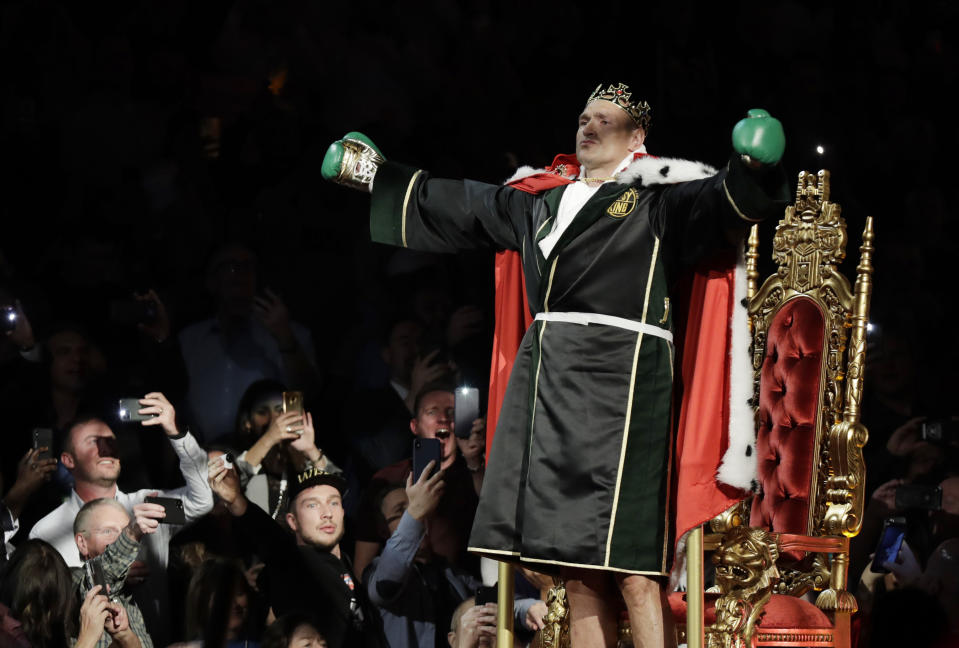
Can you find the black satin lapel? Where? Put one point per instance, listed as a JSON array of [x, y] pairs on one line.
[[588, 214], [552, 199]]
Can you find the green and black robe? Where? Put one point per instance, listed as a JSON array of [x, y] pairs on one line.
[[579, 468]]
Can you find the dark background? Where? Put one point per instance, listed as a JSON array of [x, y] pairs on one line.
[[109, 185]]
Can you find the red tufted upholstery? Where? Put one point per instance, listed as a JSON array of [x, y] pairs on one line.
[[789, 402]]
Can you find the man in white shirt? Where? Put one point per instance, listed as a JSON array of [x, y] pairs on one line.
[[89, 453]]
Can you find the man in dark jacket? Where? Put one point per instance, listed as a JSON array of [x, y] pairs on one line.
[[306, 572]]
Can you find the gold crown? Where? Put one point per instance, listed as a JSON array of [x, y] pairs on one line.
[[619, 94]]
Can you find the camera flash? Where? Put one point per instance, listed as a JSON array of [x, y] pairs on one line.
[[820, 150]]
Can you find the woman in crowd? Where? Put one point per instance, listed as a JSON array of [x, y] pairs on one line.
[[39, 606], [293, 631], [278, 444], [218, 603]]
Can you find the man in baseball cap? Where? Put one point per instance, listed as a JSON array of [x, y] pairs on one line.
[[306, 573]]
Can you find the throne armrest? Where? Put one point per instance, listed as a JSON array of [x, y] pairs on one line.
[[819, 544], [835, 598]]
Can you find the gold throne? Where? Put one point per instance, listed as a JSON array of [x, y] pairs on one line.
[[808, 353]]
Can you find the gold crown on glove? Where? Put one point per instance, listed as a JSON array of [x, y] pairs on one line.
[[619, 94]]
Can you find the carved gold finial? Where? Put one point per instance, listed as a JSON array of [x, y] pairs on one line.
[[860, 322], [812, 191], [752, 261], [811, 239]]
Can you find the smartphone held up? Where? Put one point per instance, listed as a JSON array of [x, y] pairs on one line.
[[890, 542], [172, 506], [425, 451], [465, 410], [43, 438], [293, 402], [128, 411]]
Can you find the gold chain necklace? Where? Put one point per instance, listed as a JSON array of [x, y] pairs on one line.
[[604, 179]]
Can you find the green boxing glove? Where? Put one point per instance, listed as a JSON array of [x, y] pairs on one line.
[[352, 161], [759, 137]]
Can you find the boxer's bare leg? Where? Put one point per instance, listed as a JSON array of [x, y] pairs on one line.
[[650, 620], [592, 608]]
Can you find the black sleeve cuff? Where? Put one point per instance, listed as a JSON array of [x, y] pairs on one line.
[[392, 189], [756, 194]]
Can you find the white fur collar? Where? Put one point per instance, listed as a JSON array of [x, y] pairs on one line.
[[647, 169], [662, 170]]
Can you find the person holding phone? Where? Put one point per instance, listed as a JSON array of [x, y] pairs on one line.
[[91, 455], [32, 472], [279, 441], [105, 533], [450, 527], [416, 590]]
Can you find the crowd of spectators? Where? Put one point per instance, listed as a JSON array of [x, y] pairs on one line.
[[165, 237]]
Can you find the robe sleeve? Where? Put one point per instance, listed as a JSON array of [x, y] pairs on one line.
[[410, 209], [695, 218]]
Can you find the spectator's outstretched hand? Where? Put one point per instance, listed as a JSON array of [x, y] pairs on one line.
[[534, 616], [306, 442], [226, 485], [93, 617], [118, 625], [905, 568], [275, 317], [22, 333], [156, 403], [906, 438], [146, 519], [477, 627], [285, 427], [425, 493], [886, 494], [425, 370], [465, 322], [473, 448], [32, 471], [118, 621]]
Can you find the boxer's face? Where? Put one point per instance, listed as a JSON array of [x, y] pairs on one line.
[[605, 135]]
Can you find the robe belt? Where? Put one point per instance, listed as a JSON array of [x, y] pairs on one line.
[[610, 320]]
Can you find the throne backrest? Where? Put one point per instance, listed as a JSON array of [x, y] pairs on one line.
[[803, 318]]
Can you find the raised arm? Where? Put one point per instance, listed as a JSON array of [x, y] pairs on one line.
[[410, 209], [196, 495], [122, 552], [272, 544], [389, 572], [694, 218]]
